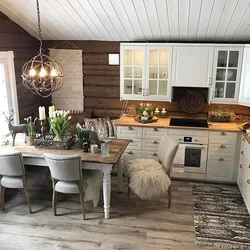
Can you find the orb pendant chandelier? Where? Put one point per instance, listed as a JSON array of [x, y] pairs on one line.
[[41, 74]]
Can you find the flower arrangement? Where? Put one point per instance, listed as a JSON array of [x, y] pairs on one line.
[[145, 111], [59, 124], [82, 134], [31, 126]]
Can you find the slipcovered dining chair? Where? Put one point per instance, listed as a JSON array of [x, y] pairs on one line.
[[13, 175], [66, 173], [148, 178], [68, 177]]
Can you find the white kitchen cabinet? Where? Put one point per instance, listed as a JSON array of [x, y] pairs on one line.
[[192, 66], [244, 172], [226, 75], [158, 73], [220, 168], [244, 96], [222, 156], [145, 72], [132, 71]]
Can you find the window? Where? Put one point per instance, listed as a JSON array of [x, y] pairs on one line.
[[8, 95]]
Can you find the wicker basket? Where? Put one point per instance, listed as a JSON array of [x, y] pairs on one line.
[[215, 118], [49, 143]]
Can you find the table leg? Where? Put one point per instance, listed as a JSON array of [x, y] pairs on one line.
[[106, 191], [120, 175]]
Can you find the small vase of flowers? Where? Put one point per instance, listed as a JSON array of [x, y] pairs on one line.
[[145, 112], [31, 130], [59, 124]]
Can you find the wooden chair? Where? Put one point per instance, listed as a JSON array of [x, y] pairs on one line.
[[66, 173], [13, 175], [149, 178]]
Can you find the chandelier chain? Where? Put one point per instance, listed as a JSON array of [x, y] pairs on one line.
[[39, 27]]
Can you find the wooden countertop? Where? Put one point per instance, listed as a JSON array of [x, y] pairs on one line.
[[164, 123]]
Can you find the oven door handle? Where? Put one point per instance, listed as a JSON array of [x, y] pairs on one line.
[[187, 147]]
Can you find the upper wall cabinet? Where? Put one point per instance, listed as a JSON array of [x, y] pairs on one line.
[[244, 97], [226, 75], [192, 66], [145, 71]]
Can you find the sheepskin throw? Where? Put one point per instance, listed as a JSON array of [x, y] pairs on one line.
[[94, 180], [147, 178]]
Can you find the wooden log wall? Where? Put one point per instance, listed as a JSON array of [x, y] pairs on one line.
[[101, 82], [14, 38]]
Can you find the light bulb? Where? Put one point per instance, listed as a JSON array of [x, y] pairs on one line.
[[53, 73], [42, 72], [32, 72]]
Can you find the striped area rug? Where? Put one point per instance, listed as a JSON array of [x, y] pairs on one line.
[[220, 216]]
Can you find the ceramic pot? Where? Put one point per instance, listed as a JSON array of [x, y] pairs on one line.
[[30, 140]]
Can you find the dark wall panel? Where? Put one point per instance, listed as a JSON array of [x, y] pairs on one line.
[[14, 38]]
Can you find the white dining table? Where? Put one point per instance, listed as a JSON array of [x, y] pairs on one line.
[[34, 156]]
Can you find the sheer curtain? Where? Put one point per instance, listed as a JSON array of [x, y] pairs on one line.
[[4, 107]]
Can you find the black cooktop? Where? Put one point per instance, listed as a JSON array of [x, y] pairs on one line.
[[186, 122]]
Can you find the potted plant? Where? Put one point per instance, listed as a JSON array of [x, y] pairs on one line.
[[31, 130], [82, 134], [145, 112], [220, 115], [59, 124]]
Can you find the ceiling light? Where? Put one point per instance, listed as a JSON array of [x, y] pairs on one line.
[[41, 74]]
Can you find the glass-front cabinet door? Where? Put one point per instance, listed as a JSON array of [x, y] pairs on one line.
[[158, 73], [132, 72], [145, 72], [226, 76]]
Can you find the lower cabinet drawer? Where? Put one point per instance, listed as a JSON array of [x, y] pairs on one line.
[[217, 137], [135, 144], [221, 150], [129, 132], [130, 155], [150, 145], [220, 168], [154, 133], [150, 155]]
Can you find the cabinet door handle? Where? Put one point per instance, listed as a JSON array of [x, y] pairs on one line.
[[242, 152], [180, 139], [131, 140], [155, 154], [243, 139], [248, 166], [248, 181], [240, 166], [223, 133], [156, 129], [130, 152], [221, 159], [130, 128], [156, 142], [222, 146]]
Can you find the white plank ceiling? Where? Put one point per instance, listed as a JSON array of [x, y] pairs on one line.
[[134, 20]]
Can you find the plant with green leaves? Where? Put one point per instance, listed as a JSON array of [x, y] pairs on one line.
[[31, 126], [60, 123], [145, 109], [82, 134]]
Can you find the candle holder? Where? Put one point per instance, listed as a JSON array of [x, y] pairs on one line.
[[43, 128]]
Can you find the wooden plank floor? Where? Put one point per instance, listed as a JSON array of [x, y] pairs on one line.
[[155, 227]]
